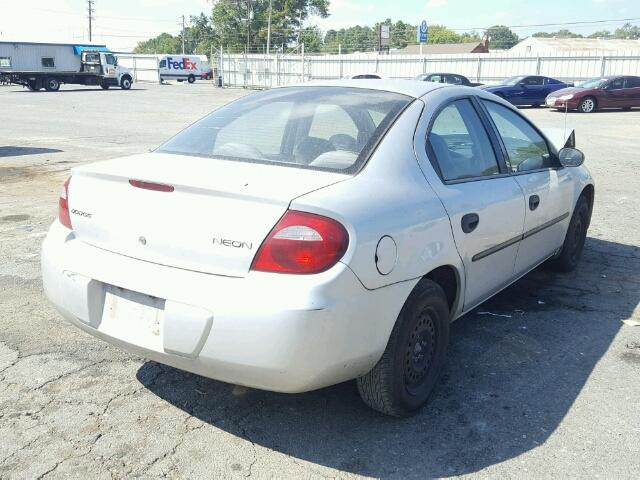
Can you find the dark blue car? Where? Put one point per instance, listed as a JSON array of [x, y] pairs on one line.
[[527, 90]]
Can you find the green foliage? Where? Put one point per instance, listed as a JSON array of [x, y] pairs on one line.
[[238, 25], [163, 43], [502, 37], [564, 33]]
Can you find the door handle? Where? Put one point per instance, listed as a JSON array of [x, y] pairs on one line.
[[534, 201], [469, 222]]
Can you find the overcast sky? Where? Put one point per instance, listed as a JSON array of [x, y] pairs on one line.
[[122, 23]]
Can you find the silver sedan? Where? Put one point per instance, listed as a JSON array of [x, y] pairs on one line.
[[309, 235]]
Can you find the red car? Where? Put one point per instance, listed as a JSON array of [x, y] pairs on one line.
[[602, 92]]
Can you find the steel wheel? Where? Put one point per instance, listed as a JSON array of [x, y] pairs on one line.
[[420, 351]]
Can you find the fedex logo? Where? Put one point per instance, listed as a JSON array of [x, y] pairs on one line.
[[182, 64]]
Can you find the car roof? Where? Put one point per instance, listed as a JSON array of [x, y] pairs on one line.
[[411, 88]]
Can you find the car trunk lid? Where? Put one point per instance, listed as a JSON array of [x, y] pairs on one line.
[[194, 213]]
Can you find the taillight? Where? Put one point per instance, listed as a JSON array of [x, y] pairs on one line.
[[302, 243], [63, 205]]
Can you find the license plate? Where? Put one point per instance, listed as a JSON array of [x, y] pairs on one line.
[[133, 317]]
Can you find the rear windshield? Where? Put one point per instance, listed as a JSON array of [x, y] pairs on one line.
[[324, 128]]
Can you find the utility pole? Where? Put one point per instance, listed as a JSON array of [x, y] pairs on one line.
[[269, 27], [249, 15], [183, 34], [90, 5]]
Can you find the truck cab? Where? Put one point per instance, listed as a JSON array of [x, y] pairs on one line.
[[105, 64]]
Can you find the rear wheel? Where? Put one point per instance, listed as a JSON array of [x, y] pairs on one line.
[[587, 105], [403, 379], [626, 109], [52, 84], [31, 85], [568, 258], [191, 79], [104, 86]]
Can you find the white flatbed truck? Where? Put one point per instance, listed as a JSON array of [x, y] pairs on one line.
[[49, 65]]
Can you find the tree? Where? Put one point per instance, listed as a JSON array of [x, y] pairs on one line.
[[242, 23], [441, 34], [312, 39], [200, 36], [163, 43], [502, 37], [564, 33], [627, 31]]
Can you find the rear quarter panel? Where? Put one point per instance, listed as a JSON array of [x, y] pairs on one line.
[[390, 196]]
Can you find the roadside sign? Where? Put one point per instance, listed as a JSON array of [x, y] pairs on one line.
[[384, 34], [422, 34]]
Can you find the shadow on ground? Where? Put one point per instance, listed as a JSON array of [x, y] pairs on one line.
[[76, 90], [509, 382], [12, 151]]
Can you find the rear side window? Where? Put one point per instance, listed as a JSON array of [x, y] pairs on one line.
[[460, 143], [324, 128], [48, 62], [631, 82], [526, 148], [5, 62]]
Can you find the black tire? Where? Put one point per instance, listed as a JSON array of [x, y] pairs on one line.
[[104, 86], [52, 84], [569, 256], [403, 379], [31, 85], [626, 109], [125, 82], [587, 105], [191, 79]]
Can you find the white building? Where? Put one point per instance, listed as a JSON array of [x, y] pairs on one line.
[[587, 46]]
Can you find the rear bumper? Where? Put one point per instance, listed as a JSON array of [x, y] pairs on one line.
[[275, 332]]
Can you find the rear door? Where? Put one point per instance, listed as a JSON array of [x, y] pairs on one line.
[[547, 187], [485, 205], [632, 87]]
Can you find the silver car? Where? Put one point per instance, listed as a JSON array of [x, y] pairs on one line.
[[309, 235]]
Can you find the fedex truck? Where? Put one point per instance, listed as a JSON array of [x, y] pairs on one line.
[[49, 65], [184, 67]]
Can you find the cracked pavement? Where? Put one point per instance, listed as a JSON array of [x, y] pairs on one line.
[[542, 381]]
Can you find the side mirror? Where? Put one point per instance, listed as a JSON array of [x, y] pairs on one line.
[[570, 157]]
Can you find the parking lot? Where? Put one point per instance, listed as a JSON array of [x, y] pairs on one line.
[[542, 381]]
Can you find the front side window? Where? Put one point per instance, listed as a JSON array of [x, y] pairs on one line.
[[616, 84], [48, 62], [460, 143], [323, 128], [5, 62], [435, 78], [532, 81], [526, 148], [110, 59]]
